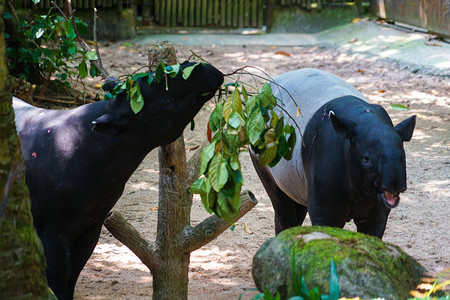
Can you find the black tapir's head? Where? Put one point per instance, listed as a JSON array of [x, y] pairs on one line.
[[376, 157], [168, 105]]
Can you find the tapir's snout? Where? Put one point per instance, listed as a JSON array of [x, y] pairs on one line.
[[214, 77], [391, 184]]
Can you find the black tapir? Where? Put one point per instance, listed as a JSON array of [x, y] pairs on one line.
[[350, 163], [78, 161]]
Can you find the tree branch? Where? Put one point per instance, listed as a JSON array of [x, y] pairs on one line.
[[194, 165], [213, 226], [97, 63], [122, 230]]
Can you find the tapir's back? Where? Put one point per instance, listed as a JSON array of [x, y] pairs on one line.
[[311, 89]]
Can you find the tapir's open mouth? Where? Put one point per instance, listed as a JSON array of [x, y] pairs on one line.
[[389, 199]]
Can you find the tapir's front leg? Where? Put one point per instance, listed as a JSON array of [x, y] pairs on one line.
[[57, 252], [80, 251], [374, 223]]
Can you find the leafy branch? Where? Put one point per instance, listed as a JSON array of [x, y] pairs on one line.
[[130, 84], [239, 120]]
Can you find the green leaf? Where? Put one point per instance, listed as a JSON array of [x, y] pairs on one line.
[[159, 74], [304, 288], [192, 125], [283, 147], [217, 172], [136, 99], [82, 69], [235, 164], [211, 196], [237, 102], [292, 140], [223, 208], [244, 94], [91, 55], [289, 129], [197, 186], [276, 160], [223, 176], [128, 44], [188, 70], [234, 120], [215, 117], [93, 71], [273, 119], [227, 108], [172, 70], [398, 107], [120, 87], [108, 96], [314, 294], [70, 31], [267, 294], [72, 48], [267, 97], [268, 154], [203, 187], [82, 26], [255, 126], [207, 154], [150, 79], [37, 32], [251, 104], [279, 127], [334, 282], [138, 76], [269, 136]]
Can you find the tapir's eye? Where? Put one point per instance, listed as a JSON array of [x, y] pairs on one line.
[[366, 159]]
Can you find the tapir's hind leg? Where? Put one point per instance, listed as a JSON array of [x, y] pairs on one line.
[[288, 213]]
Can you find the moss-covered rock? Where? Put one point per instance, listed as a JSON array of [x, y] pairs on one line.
[[366, 266]]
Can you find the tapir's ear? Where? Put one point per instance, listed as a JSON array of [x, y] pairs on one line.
[[108, 124], [342, 126], [405, 128], [110, 83]]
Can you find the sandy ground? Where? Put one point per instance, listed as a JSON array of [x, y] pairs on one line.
[[222, 269]]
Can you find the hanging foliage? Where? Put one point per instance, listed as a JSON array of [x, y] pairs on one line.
[[240, 120]]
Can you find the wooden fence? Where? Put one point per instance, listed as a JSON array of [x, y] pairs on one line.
[[202, 13], [82, 4], [226, 13], [433, 15], [314, 4], [196, 13]]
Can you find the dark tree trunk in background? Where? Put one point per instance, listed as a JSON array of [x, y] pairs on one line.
[[22, 264], [168, 257]]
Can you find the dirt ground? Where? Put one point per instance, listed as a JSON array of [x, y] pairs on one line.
[[222, 269]]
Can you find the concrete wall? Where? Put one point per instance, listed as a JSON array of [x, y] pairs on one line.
[[296, 20], [112, 24]]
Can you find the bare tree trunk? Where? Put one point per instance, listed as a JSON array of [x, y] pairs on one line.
[[168, 257], [170, 276], [22, 264]]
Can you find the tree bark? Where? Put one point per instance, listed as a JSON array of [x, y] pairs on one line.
[[168, 257], [22, 264]]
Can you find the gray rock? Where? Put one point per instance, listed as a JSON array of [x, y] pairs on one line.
[[366, 266]]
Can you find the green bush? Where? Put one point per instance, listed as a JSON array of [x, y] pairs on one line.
[[45, 47]]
